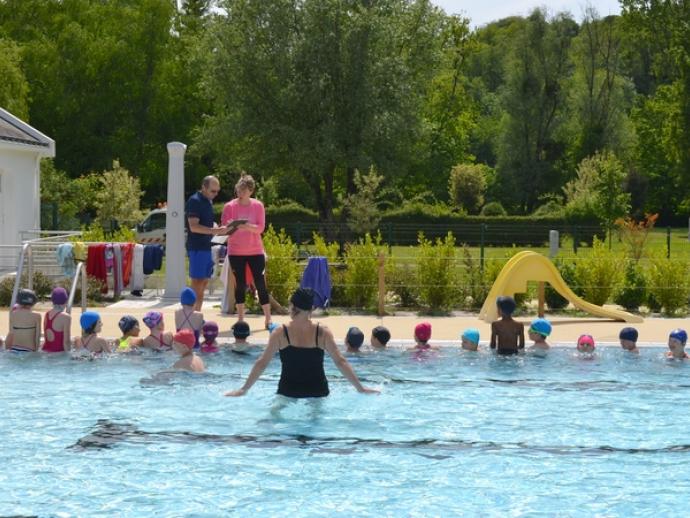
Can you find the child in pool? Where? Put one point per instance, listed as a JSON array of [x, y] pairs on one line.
[[585, 345], [187, 318], [25, 324], [422, 335], [240, 331], [210, 333], [539, 330], [676, 343], [470, 339], [628, 338], [507, 335], [130, 334], [354, 340], [380, 336], [57, 323], [183, 343], [158, 340], [90, 343]]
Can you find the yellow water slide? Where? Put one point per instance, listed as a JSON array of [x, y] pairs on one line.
[[531, 266]]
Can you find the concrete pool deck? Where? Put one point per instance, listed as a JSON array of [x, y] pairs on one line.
[[653, 331]]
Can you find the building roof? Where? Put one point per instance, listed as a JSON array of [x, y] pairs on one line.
[[16, 132]]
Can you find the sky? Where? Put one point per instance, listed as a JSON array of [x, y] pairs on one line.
[[481, 12]]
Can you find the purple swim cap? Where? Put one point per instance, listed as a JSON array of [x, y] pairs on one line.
[[210, 329], [152, 319], [59, 296]]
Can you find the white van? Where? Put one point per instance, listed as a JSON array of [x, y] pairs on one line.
[[152, 229]]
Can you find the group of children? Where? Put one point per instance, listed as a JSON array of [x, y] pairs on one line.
[[193, 333]]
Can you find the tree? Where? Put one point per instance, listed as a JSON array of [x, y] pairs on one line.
[[363, 214], [467, 186], [14, 89], [318, 87], [117, 198]]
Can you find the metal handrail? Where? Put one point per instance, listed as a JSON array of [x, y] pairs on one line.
[[79, 271], [26, 252]]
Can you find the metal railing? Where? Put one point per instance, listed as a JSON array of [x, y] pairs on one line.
[[25, 253], [80, 272]]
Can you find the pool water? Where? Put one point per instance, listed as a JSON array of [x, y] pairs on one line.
[[452, 433]]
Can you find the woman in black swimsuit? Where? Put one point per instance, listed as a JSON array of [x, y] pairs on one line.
[[301, 345]]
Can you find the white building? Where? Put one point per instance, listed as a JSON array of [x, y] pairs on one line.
[[21, 150]]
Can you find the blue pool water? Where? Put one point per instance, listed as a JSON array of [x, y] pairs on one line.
[[451, 434]]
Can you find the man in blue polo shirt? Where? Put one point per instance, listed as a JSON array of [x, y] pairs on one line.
[[200, 230]]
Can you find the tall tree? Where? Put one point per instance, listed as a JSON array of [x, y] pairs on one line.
[[14, 89]]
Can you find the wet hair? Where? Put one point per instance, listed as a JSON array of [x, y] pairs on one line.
[[26, 297], [382, 334], [127, 323], [303, 298], [240, 329], [506, 305]]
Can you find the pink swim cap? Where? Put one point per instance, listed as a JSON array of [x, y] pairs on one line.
[[422, 331], [585, 340]]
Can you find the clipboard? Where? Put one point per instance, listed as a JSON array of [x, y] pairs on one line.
[[232, 228]]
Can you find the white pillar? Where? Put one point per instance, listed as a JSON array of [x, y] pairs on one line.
[[553, 243], [175, 274]]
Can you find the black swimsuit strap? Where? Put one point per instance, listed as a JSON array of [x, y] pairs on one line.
[[286, 334], [316, 340]]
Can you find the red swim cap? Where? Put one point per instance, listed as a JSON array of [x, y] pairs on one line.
[[185, 337], [422, 331]]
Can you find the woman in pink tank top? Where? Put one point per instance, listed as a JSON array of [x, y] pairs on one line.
[[56, 324]]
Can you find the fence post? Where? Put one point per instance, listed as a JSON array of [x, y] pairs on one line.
[[481, 247], [382, 284], [389, 231], [575, 239], [668, 242], [299, 233]]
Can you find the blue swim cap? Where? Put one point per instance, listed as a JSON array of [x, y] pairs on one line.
[[628, 333], [127, 323], [471, 334], [541, 326], [679, 334], [188, 297], [88, 320]]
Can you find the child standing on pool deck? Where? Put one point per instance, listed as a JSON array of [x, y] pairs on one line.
[[628, 338], [187, 318], [676, 343], [89, 342], [158, 340], [539, 330], [470, 339], [183, 343], [507, 335], [25, 324]]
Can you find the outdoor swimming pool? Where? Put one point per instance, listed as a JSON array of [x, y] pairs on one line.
[[456, 433]]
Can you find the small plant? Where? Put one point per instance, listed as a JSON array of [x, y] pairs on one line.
[[493, 208], [94, 289], [476, 282], [668, 284], [555, 300], [634, 290], [437, 274], [42, 286], [634, 234], [598, 273], [282, 270], [361, 271], [398, 275], [95, 233]]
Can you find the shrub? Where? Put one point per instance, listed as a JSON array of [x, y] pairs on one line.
[[42, 286], [667, 284], [476, 282], [437, 274], [398, 275], [467, 185], [291, 212], [550, 208], [493, 208], [282, 270], [327, 250], [633, 292], [555, 300], [363, 214], [361, 271], [117, 197], [94, 289], [598, 273], [95, 233]]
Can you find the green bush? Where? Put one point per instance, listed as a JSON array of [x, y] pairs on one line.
[[398, 275], [667, 283], [42, 287], [290, 213], [598, 273], [361, 272], [476, 283], [437, 273], [553, 299], [493, 208], [96, 234], [328, 250], [633, 293], [282, 270], [94, 288], [551, 208]]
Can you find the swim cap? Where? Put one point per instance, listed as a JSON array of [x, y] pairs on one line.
[[88, 320], [209, 330], [152, 319], [185, 337], [354, 337], [240, 329], [59, 296], [679, 334], [26, 297], [382, 334], [127, 323], [471, 334], [628, 333], [585, 340], [541, 326], [506, 305], [422, 331], [188, 297], [303, 299]]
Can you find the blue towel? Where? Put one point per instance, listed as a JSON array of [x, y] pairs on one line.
[[153, 258], [65, 259], [317, 278]]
